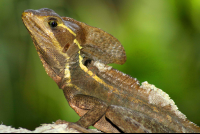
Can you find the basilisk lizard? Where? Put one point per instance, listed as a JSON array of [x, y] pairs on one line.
[[76, 55]]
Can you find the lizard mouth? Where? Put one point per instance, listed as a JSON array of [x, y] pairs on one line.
[[35, 30], [42, 43]]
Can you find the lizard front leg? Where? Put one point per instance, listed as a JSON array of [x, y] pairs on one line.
[[90, 109], [96, 109], [95, 114]]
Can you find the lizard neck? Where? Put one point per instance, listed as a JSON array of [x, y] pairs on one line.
[[99, 80]]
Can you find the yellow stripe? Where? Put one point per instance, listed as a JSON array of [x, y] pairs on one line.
[[67, 73], [84, 68], [79, 46], [74, 86], [67, 29]]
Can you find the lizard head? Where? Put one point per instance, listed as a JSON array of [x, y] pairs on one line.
[[52, 38]]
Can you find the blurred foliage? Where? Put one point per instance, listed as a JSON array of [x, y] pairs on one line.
[[161, 39]]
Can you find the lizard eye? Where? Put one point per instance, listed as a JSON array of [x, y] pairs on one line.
[[53, 23]]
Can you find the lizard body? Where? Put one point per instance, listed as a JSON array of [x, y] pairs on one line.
[[75, 55]]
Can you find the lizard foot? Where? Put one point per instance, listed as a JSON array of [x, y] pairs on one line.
[[76, 127]]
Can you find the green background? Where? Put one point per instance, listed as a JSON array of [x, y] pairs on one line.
[[161, 39]]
